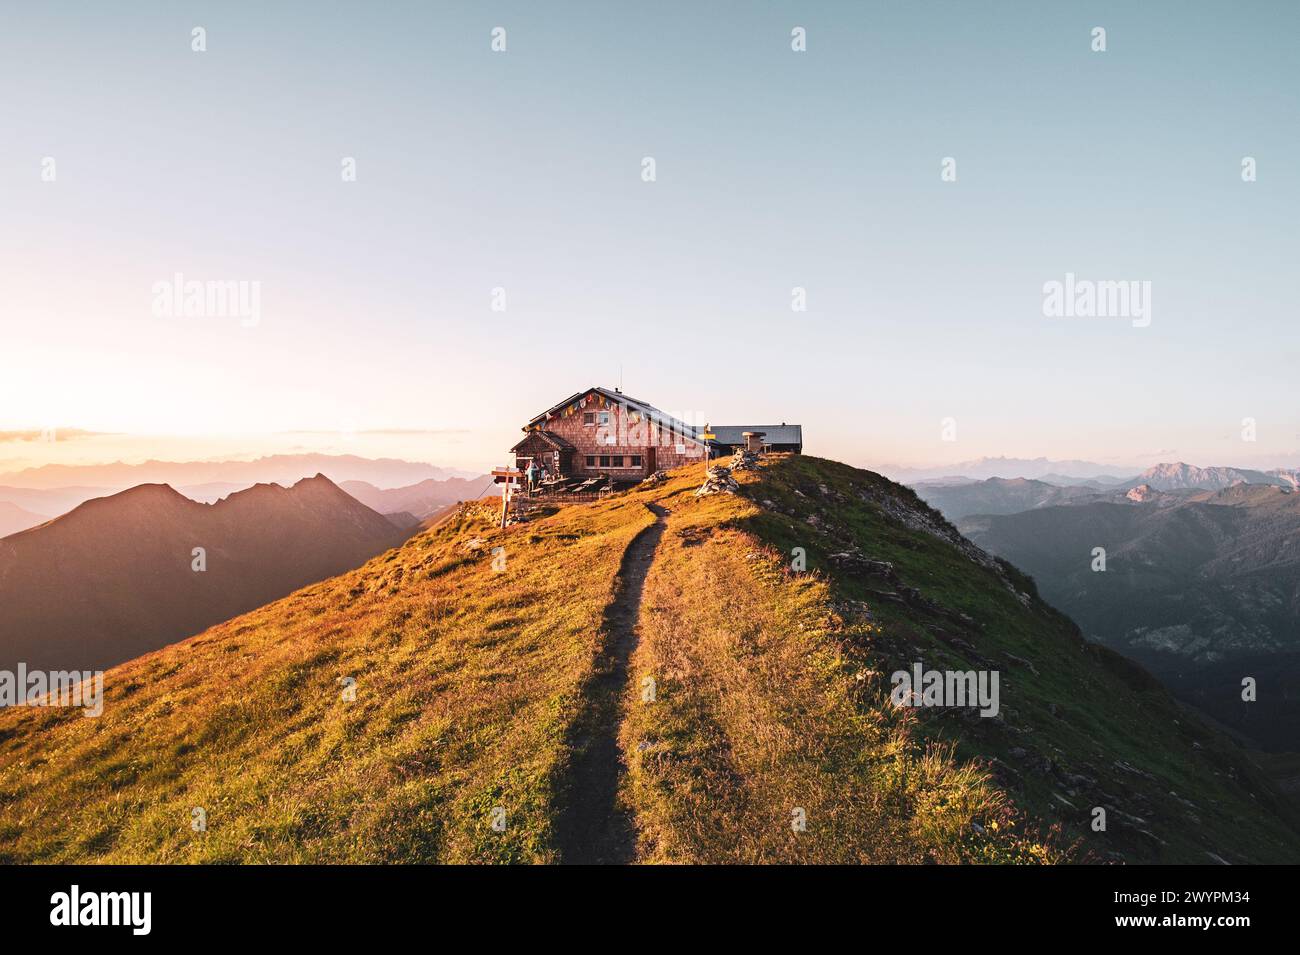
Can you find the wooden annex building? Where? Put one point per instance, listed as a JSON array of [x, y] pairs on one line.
[[601, 438]]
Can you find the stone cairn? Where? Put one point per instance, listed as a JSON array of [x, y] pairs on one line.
[[718, 479]]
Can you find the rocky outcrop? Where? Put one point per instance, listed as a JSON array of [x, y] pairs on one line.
[[1141, 493]]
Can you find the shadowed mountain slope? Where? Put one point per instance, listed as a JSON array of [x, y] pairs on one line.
[[418, 500], [1203, 591], [116, 577]]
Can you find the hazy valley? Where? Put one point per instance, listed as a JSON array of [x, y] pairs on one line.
[[1201, 581]]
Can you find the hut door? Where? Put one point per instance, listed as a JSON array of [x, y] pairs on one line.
[[650, 460]]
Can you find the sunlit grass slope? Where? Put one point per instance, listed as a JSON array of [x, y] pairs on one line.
[[769, 736], [466, 679]]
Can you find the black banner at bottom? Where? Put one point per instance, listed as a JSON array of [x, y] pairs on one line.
[[142, 904]]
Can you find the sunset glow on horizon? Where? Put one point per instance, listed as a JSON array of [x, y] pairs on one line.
[[375, 295]]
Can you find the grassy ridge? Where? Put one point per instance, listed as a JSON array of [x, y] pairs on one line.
[[771, 696], [465, 684], [765, 717], [1080, 727]]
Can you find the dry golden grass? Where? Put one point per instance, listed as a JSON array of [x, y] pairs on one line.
[[761, 720], [465, 683]]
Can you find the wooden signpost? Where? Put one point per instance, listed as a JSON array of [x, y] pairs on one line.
[[706, 436], [507, 478]]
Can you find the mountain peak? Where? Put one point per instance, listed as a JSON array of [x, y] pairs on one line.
[[155, 492], [129, 559], [162, 498], [1179, 475]]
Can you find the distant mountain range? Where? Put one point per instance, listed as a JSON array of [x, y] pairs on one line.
[[959, 497], [1043, 469], [51, 502], [1000, 496], [1163, 477], [279, 469], [14, 519], [1200, 586], [1203, 573], [419, 500], [115, 577], [1180, 476], [1064, 480], [33, 501]]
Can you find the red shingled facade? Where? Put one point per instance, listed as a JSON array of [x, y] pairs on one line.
[[602, 432]]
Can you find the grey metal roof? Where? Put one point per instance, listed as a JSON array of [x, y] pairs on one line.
[[772, 433]]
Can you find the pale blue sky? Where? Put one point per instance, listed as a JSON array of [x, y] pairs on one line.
[[775, 169]]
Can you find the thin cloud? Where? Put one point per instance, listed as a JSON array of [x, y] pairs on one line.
[[400, 431], [55, 434]]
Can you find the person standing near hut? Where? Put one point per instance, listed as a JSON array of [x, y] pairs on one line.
[[531, 474]]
